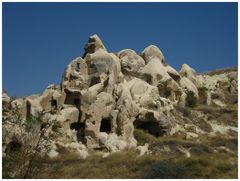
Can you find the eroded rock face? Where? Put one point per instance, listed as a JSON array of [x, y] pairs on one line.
[[151, 52], [190, 73], [131, 63], [104, 96], [94, 44]]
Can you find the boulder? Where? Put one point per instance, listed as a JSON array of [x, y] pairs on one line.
[[152, 52], [190, 73], [143, 149], [5, 98], [131, 63], [112, 142]]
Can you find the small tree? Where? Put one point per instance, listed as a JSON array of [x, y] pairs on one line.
[[191, 99], [22, 155]]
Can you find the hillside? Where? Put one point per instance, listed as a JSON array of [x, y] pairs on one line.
[[124, 115]]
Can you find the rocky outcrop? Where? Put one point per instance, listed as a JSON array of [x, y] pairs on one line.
[[104, 96], [131, 63]]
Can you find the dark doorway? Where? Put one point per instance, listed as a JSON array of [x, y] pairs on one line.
[[150, 127], [77, 102], [77, 126], [53, 105], [72, 98], [13, 146], [28, 113], [147, 78], [105, 125], [95, 80], [80, 128]]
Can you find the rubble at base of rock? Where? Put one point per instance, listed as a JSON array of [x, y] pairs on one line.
[[103, 96]]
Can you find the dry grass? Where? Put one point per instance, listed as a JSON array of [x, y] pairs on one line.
[[128, 165], [203, 163], [124, 164], [227, 116], [208, 166], [143, 137], [221, 71]]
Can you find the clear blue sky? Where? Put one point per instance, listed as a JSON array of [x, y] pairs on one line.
[[40, 39]]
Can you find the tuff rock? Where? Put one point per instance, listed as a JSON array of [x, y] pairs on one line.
[[104, 96]]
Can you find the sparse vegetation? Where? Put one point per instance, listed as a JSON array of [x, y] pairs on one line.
[[221, 71], [191, 100], [23, 153], [206, 160], [143, 137], [127, 164]]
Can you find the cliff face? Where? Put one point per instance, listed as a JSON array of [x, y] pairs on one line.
[[103, 97]]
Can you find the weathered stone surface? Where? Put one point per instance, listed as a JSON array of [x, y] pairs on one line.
[[104, 96], [52, 99], [94, 44], [6, 105], [190, 73], [131, 63], [103, 63], [172, 72], [187, 71], [187, 85], [5, 98], [75, 75], [154, 72], [151, 52]]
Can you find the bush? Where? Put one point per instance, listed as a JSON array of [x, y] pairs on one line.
[[22, 157], [164, 169], [191, 100], [143, 137]]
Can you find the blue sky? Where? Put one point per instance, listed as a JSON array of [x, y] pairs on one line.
[[40, 39]]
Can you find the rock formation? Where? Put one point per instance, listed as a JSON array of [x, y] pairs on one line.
[[104, 96]]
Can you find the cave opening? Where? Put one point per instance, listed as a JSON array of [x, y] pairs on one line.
[[174, 77], [95, 80], [150, 127], [77, 67], [72, 98], [53, 104], [28, 113], [76, 102], [147, 78], [80, 128], [105, 125], [13, 146]]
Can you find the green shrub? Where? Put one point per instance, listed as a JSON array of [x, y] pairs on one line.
[[22, 155], [164, 169], [143, 137], [191, 100]]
